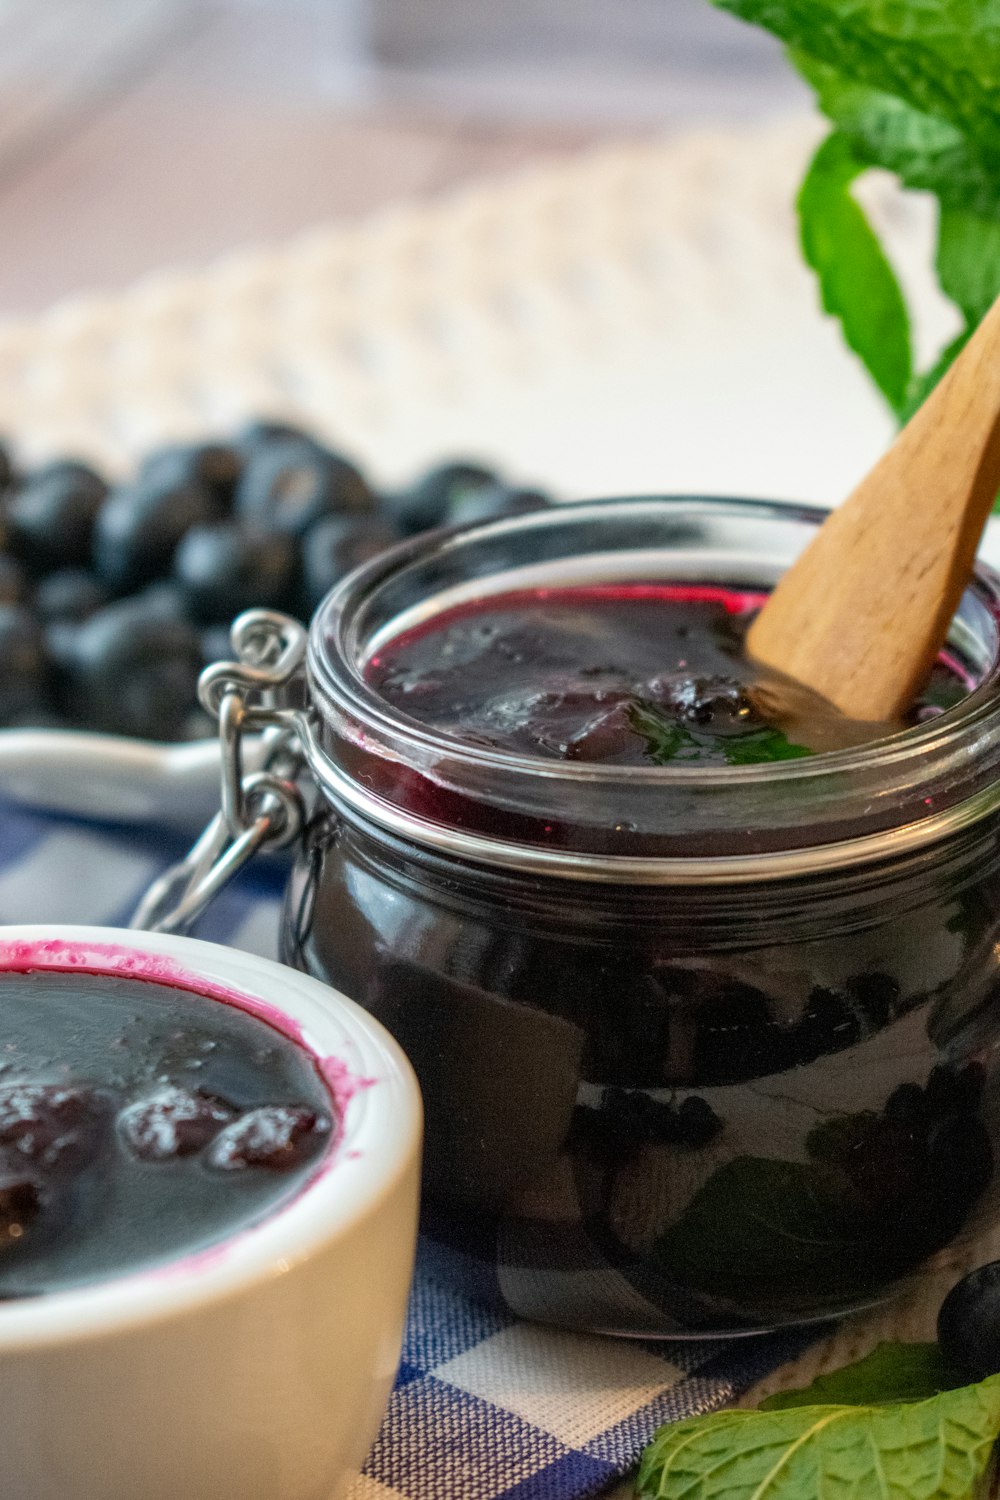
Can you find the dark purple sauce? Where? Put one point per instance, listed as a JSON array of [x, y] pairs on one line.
[[617, 674], [140, 1123]]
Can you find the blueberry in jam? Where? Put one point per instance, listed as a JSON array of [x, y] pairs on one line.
[[622, 674], [140, 1123]]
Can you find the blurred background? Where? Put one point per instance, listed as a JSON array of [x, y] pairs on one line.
[[555, 238], [141, 133]]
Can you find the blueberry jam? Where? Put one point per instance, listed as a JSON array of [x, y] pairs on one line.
[[159, 1123], [707, 1043], [618, 674]]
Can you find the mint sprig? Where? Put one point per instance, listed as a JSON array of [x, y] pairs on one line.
[[939, 56], [935, 1449], [857, 283], [913, 88]]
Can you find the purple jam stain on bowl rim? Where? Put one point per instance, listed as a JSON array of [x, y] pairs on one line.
[[57, 955]]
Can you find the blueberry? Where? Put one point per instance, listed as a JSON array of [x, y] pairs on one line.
[[60, 638], [278, 1136], [663, 1124], [491, 502], [172, 1122], [290, 483], [224, 569], [337, 544], [262, 431], [140, 525], [7, 474], [968, 1326], [952, 1089], [132, 671], [629, 1117], [829, 1023], [737, 1036], [55, 1127], [713, 705], [877, 996], [698, 1123], [50, 518], [71, 594], [25, 667], [20, 1205], [215, 466], [908, 1104], [216, 644], [436, 496], [162, 600], [13, 581]]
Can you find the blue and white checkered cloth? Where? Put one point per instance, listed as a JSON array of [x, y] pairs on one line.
[[485, 1405]]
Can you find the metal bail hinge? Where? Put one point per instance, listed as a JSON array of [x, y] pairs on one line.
[[261, 808]]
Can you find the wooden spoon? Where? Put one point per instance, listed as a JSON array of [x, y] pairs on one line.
[[862, 614]]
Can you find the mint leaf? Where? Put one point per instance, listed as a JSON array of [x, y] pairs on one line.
[[857, 283], [942, 57], [925, 152], [891, 1372], [922, 385], [667, 740], [761, 746], [758, 1223], [913, 87], [938, 1449], [968, 261]]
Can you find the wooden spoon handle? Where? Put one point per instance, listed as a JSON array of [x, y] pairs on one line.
[[862, 614]]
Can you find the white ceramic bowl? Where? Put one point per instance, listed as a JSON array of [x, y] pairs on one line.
[[259, 1369]]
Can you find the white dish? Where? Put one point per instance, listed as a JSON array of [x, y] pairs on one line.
[[263, 1366], [110, 778]]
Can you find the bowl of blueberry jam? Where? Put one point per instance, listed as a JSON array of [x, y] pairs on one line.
[[698, 977], [208, 1188]]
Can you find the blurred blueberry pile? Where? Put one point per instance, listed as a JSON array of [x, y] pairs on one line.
[[113, 598]]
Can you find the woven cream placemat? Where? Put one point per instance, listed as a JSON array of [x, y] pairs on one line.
[[637, 318], [634, 318]]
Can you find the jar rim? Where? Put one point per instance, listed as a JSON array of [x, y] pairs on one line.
[[940, 749]]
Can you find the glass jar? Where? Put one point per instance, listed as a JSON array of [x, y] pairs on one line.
[[703, 1049]]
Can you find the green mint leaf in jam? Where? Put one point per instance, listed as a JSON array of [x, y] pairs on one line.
[[668, 740], [857, 284], [758, 1222], [891, 1372], [759, 747], [938, 1449]]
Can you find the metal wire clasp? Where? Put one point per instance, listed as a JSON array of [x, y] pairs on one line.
[[261, 808]]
